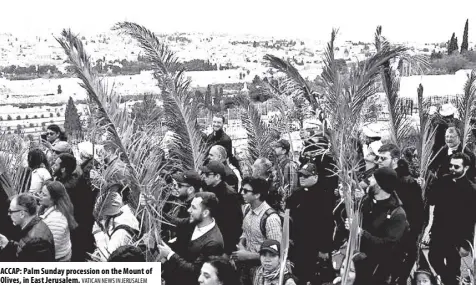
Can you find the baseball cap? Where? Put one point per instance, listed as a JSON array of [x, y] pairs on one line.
[[215, 167], [190, 177], [61, 147], [270, 245], [309, 169], [282, 143]]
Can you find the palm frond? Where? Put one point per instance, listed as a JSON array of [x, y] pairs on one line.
[[293, 76], [97, 93], [344, 100], [399, 123], [260, 136], [466, 107], [180, 114]]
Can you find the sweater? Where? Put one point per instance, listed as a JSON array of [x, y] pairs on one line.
[[184, 265], [58, 225]]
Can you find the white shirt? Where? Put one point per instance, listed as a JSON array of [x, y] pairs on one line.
[[452, 150], [198, 232], [38, 178]]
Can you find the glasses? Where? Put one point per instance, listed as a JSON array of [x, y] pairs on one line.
[[13, 211], [454, 166], [50, 134], [304, 176], [381, 158]]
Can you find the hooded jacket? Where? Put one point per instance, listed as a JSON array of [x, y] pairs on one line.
[[383, 224]]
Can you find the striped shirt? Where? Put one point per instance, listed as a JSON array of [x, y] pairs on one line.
[[252, 229]]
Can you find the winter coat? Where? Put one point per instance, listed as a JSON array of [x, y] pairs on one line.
[[58, 225], [119, 231], [36, 244], [229, 217], [384, 223]]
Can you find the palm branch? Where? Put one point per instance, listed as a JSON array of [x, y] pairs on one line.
[[466, 108], [14, 176], [344, 100], [97, 93], [399, 123], [180, 114], [293, 76], [260, 136]]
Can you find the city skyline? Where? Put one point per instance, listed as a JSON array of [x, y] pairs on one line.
[[409, 21]]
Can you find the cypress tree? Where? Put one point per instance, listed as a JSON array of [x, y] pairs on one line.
[[464, 44], [72, 122], [451, 44]]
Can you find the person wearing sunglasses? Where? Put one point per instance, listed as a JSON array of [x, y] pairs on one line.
[[35, 243], [311, 210], [452, 202], [229, 215]]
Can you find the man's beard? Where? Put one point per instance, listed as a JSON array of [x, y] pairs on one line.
[[57, 173], [373, 190], [455, 174]]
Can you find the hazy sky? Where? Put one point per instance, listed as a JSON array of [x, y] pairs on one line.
[[407, 20]]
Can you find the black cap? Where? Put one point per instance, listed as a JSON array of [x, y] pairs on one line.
[[386, 178], [215, 167], [270, 245], [309, 169], [190, 177]]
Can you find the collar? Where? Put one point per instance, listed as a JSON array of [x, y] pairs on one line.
[[260, 208], [206, 228]]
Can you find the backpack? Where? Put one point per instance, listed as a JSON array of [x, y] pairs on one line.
[[135, 234], [262, 223]]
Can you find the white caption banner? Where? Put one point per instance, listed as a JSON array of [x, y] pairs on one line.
[[81, 273]]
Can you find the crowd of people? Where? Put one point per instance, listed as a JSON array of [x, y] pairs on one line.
[[226, 227]]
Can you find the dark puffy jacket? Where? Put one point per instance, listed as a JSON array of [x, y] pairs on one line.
[[36, 243]]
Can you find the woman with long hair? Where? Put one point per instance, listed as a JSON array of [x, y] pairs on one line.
[[54, 135], [39, 166], [218, 271], [57, 212]]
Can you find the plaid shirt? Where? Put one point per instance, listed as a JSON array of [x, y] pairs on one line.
[[252, 230]]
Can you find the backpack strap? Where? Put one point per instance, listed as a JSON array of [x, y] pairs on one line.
[[264, 218], [128, 229]]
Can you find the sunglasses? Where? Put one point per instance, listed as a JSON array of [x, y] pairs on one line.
[[182, 185], [13, 211], [50, 134], [381, 158], [455, 166], [304, 176]]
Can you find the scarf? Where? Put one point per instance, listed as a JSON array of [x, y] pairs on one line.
[[269, 278]]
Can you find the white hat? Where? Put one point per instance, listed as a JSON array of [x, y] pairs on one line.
[[447, 110], [432, 110], [372, 131], [86, 149], [375, 146]]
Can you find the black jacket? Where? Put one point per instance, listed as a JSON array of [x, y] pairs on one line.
[[384, 225], [441, 163], [313, 222], [36, 244], [410, 194], [220, 138], [454, 203], [229, 216], [184, 266]]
